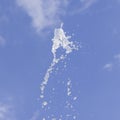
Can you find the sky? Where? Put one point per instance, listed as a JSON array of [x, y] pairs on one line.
[[84, 85]]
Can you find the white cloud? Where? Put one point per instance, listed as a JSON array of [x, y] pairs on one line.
[[6, 112], [2, 41], [114, 64], [108, 66], [47, 13], [117, 58], [44, 13], [35, 115], [85, 4]]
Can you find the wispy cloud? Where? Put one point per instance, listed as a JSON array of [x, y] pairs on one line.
[[6, 112], [114, 64], [47, 13], [2, 41], [35, 115], [108, 66], [117, 58], [44, 13], [85, 4]]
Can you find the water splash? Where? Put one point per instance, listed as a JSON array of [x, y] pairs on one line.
[[60, 40], [69, 85], [68, 106]]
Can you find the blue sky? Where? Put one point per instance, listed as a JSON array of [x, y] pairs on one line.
[[26, 32]]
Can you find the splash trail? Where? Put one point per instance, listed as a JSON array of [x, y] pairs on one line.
[[60, 40]]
